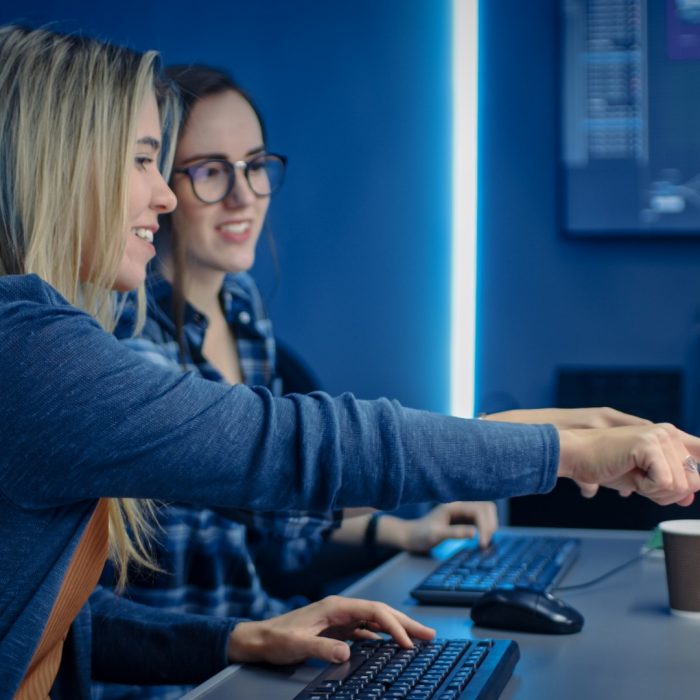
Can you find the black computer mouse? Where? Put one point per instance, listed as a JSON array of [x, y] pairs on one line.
[[526, 610]]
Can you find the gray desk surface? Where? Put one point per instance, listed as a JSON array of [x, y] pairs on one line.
[[630, 646]]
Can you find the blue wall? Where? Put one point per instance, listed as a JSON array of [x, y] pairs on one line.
[[546, 300], [356, 93]]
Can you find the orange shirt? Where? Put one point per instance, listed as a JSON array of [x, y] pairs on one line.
[[80, 581]]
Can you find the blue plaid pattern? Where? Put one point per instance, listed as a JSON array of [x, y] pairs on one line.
[[208, 557], [244, 311]]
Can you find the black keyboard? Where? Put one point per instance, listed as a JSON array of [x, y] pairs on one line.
[[442, 668], [511, 560]]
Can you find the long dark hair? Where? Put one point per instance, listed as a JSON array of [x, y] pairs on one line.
[[195, 82]]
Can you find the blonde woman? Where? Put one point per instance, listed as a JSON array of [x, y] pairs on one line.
[[80, 165], [84, 420]]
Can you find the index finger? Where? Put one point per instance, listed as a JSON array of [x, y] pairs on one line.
[[691, 443], [663, 477], [486, 522], [689, 459], [482, 513], [395, 623]]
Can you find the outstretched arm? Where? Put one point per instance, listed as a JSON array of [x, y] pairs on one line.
[[83, 417], [565, 418]]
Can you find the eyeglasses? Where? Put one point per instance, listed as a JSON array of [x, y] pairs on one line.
[[213, 180]]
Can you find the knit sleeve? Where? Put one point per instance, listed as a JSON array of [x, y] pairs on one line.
[[84, 417]]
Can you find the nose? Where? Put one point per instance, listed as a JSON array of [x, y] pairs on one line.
[[240, 194], [163, 199]]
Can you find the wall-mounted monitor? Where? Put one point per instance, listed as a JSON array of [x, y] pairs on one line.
[[630, 117]]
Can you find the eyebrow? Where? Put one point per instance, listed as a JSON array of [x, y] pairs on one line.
[[149, 141], [221, 156]]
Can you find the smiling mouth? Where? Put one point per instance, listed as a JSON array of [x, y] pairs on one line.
[[235, 228], [145, 233]]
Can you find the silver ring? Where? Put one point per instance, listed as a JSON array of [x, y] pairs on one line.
[[690, 465]]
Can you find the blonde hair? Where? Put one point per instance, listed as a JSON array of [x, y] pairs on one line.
[[68, 111]]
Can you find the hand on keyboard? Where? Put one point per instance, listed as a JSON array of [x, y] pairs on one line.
[[318, 630], [457, 520]]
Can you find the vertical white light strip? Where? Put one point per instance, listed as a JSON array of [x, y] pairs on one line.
[[465, 64]]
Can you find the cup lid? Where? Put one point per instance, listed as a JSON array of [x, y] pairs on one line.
[[680, 527]]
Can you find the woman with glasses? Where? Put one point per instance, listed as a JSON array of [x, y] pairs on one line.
[[205, 315], [90, 431]]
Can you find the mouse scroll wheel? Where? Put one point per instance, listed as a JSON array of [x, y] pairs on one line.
[[544, 601]]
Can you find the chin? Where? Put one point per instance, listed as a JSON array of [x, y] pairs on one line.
[[127, 283], [242, 264]]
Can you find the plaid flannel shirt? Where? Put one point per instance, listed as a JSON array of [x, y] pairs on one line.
[[207, 557]]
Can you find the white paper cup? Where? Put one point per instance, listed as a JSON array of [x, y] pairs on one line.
[[682, 555]]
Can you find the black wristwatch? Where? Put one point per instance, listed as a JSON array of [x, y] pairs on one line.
[[371, 531]]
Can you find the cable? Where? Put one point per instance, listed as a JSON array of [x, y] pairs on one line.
[[602, 577]]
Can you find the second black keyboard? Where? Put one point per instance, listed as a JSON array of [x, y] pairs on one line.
[[534, 561]]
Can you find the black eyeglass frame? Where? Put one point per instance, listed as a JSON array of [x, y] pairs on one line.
[[230, 168]]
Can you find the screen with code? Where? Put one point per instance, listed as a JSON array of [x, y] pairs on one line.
[[630, 127]]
